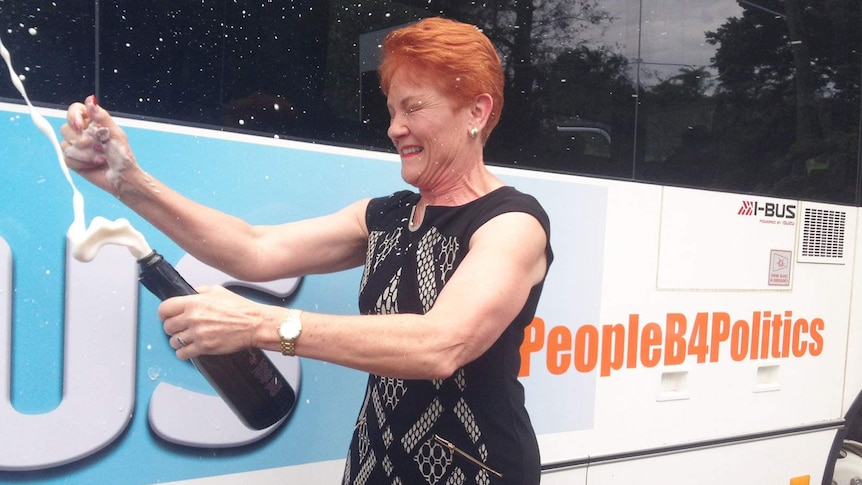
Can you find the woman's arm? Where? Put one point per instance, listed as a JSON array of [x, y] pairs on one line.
[[254, 253], [484, 295]]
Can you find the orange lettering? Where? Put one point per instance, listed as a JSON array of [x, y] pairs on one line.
[[613, 348], [799, 346], [755, 336], [586, 348], [776, 336], [534, 340], [785, 342], [698, 344], [559, 350], [651, 345], [632, 356], [675, 339], [817, 346], [739, 338], [720, 332], [608, 348]]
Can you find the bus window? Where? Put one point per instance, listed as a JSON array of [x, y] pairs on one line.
[[749, 97], [767, 112]]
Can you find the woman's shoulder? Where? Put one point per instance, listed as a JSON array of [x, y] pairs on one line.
[[399, 199], [509, 199], [383, 208]]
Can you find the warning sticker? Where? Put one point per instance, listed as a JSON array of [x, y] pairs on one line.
[[779, 267]]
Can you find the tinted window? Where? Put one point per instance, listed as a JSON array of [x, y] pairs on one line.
[[747, 96], [762, 96], [53, 47]]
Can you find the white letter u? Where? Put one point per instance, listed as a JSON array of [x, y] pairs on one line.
[[98, 369]]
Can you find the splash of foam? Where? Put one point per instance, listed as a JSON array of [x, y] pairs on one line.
[[86, 241]]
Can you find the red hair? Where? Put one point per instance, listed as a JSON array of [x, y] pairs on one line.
[[458, 57]]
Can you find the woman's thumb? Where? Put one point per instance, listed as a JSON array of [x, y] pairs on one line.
[[97, 114]]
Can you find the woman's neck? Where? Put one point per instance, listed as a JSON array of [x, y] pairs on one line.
[[465, 188]]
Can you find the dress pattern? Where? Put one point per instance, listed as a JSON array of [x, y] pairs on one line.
[[472, 427]]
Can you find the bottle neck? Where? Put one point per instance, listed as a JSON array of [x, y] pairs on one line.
[[150, 259]]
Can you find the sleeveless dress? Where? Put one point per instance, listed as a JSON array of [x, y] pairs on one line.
[[471, 428]]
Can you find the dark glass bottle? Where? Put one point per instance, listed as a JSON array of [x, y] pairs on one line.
[[246, 380]]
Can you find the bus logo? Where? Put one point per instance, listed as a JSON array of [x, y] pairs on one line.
[[767, 209]]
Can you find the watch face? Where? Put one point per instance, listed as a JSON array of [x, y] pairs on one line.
[[289, 329]]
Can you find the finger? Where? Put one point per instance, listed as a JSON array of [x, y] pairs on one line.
[[180, 343], [81, 139], [99, 115], [75, 116], [68, 132], [170, 308], [182, 352], [205, 289], [75, 158], [78, 158], [77, 165], [179, 340]]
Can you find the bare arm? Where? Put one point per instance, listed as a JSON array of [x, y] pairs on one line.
[[253, 253], [486, 292]]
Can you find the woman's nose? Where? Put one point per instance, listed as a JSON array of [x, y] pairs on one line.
[[397, 128]]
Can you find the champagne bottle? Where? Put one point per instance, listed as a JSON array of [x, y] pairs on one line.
[[247, 380]]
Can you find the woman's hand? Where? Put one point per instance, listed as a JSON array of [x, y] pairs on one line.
[[95, 147], [215, 321]]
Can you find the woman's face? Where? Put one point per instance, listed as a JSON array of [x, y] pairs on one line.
[[429, 131]]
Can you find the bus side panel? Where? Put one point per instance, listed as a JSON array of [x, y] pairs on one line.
[[629, 353], [681, 363], [572, 476], [776, 461]]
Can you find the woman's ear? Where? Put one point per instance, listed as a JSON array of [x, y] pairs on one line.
[[482, 108]]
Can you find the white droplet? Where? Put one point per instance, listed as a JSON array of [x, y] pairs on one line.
[[32, 31]]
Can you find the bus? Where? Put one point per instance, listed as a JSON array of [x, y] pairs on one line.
[[699, 161]]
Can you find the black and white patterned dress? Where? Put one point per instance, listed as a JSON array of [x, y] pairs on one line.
[[471, 428]]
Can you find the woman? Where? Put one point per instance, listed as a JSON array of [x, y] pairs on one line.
[[453, 273]]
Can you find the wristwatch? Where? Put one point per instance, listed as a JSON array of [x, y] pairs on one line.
[[289, 330]]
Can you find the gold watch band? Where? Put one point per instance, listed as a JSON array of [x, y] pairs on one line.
[[288, 347]]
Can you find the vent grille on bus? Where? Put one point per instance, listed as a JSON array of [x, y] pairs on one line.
[[822, 236]]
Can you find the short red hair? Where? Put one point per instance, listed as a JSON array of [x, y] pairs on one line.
[[457, 56]]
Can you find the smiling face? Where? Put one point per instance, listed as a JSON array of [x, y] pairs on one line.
[[430, 132]]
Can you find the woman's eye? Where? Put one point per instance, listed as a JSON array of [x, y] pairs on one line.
[[414, 108]]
